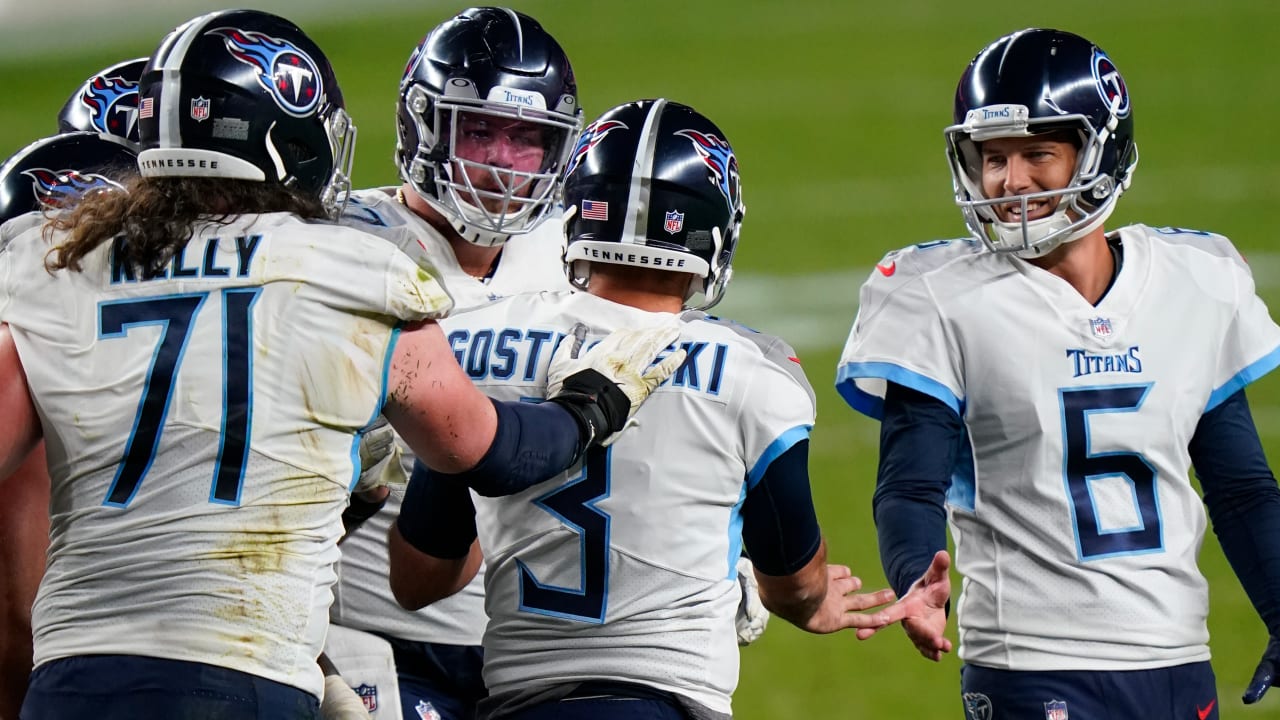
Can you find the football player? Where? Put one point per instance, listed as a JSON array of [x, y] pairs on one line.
[[201, 354], [611, 589], [486, 116], [48, 175], [1052, 382]]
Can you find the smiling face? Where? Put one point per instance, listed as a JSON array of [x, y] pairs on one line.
[[1022, 165]]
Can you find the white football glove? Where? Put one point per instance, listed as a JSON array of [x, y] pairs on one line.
[[752, 617], [379, 457], [605, 385], [340, 702]]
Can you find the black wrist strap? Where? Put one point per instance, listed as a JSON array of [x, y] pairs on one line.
[[359, 511], [596, 403]]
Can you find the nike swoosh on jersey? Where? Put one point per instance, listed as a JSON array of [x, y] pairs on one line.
[[888, 270], [1208, 709]]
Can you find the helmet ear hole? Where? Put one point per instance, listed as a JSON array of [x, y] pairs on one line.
[[296, 153]]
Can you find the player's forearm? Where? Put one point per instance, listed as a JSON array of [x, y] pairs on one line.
[[918, 440], [796, 597], [22, 425], [432, 544], [779, 524], [419, 579], [1243, 500], [909, 531], [532, 443]]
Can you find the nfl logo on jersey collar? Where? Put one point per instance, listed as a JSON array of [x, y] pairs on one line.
[[1097, 329]]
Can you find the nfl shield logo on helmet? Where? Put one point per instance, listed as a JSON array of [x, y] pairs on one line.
[[199, 109], [674, 222], [368, 695], [1055, 710], [1101, 326]]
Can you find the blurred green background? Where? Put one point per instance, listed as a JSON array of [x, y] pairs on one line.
[[836, 112]]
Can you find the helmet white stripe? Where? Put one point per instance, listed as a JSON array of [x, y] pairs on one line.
[[170, 115], [515, 20], [642, 177]]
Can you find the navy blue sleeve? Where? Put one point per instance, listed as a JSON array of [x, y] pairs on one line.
[[919, 437], [437, 516], [779, 525], [1243, 500], [533, 443]]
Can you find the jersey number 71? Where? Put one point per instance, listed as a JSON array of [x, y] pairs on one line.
[[176, 315]]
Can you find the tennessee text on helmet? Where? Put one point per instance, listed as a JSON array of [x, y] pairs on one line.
[[484, 70], [1032, 82], [245, 95], [654, 184]]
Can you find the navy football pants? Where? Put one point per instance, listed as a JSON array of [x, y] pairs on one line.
[[1181, 692], [128, 687]]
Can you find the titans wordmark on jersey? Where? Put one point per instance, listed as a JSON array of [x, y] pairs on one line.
[[623, 567], [196, 500], [1072, 497]]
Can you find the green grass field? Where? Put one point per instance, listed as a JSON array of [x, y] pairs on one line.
[[836, 111]]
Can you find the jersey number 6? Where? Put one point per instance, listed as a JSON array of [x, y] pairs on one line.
[[1081, 468]]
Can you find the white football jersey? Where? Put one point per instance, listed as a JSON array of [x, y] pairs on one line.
[[171, 536], [529, 262], [1075, 522], [623, 568]]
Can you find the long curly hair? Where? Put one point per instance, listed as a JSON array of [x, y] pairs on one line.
[[158, 215]]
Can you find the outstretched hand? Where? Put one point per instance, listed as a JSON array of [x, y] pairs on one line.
[[923, 610], [842, 606], [1266, 675]]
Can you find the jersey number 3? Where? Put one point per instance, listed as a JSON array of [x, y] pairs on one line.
[[176, 314], [574, 505], [1082, 468]]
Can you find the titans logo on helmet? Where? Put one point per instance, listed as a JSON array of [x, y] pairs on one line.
[[719, 158], [591, 137], [60, 189], [1110, 84], [112, 103], [285, 71]]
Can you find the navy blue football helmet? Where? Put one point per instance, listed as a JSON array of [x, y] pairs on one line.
[[654, 184], [486, 63], [1039, 81], [53, 173], [247, 95], [106, 103]]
